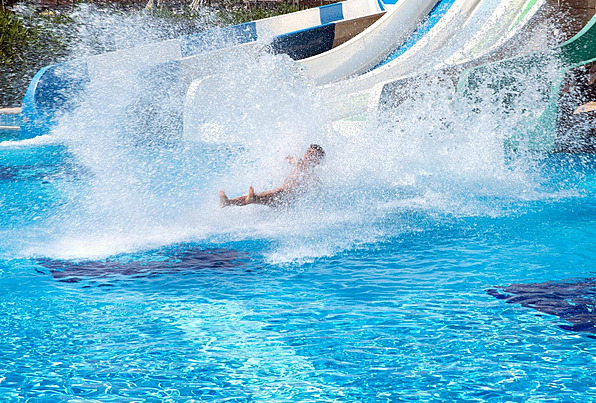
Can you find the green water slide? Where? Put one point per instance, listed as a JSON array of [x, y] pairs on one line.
[[531, 89]]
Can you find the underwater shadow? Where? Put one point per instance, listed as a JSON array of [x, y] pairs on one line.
[[179, 261], [573, 301]]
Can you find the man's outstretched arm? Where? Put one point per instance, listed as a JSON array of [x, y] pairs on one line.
[[293, 160]]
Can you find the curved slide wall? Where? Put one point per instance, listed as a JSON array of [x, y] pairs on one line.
[[469, 30], [54, 86], [371, 46], [309, 42]]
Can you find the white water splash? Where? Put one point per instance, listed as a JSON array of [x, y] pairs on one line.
[[436, 154]]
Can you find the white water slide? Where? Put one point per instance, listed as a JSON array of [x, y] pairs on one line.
[[355, 56], [55, 87], [469, 30], [372, 45], [198, 74]]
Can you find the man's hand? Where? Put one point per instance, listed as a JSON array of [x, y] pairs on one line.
[[292, 160]]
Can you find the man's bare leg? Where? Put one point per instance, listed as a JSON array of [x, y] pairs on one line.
[[250, 198], [267, 198], [223, 199]]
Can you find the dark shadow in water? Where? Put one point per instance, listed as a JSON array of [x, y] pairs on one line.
[[573, 301], [179, 261], [41, 172], [7, 173]]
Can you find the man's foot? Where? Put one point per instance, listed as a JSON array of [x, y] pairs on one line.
[[250, 198], [223, 199]]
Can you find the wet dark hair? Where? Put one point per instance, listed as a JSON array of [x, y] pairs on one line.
[[317, 148]]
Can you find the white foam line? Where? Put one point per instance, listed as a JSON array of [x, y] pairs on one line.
[[35, 141]]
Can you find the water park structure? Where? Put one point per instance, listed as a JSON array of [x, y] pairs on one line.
[[411, 211], [353, 49]]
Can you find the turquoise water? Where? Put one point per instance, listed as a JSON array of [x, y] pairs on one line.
[[405, 317], [432, 263]]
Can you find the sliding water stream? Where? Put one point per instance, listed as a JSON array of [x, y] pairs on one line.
[[122, 279]]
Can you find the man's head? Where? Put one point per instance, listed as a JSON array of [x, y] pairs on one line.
[[314, 154]]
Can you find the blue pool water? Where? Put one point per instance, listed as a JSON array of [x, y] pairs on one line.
[[433, 263], [405, 317]]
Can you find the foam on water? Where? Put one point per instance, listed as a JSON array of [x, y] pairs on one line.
[[437, 155], [32, 142]]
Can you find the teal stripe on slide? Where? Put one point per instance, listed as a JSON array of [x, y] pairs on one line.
[[523, 14]]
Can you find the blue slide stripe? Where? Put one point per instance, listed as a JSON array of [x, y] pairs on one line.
[[218, 38], [52, 89], [60, 83], [435, 15], [331, 12], [381, 5]]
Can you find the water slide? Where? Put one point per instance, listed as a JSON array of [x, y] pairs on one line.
[[397, 29], [364, 50], [456, 31], [469, 30], [390, 45], [370, 47], [53, 87]]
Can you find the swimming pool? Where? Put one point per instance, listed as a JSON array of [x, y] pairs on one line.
[[434, 264], [407, 316]]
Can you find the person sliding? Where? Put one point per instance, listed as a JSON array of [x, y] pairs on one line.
[[298, 180]]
